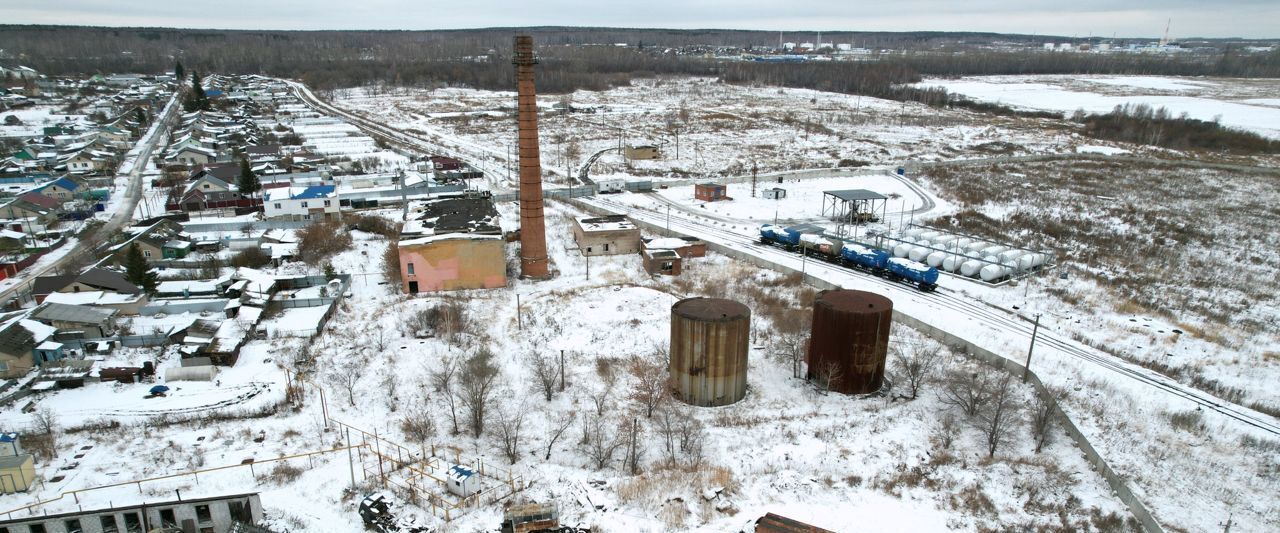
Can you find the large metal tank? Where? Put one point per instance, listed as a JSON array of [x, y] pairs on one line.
[[935, 259], [919, 253], [709, 343], [971, 267], [902, 249], [952, 263], [850, 340]]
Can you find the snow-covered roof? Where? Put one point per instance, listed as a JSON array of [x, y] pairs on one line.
[[666, 243], [605, 223], [460, 473], [92, 298]]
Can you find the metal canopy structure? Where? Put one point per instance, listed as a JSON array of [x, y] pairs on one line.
[[852, 207]]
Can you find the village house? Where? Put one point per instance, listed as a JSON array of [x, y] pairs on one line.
[[160, 241], [192, 156], [76, 321], [63, 189], [19, 337], [317, 202], [43, 211]]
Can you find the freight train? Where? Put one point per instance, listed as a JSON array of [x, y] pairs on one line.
[[808, 240]]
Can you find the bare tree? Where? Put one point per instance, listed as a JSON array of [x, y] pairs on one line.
[[442, 380], [1041, 414], [416, 420], [344, 375], [916, 365], [966, 390], [945, 434], [391, 387], [829, 375], [380, 337], [681, 435], [790, 340], [651, 381], [510, 431], [45, 420], [602, 440], [602, 396], [999, 413], [477, 380], [633, 434], [545, 374], [557, 426]]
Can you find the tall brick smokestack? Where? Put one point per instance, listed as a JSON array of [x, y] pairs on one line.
[[533, 232]]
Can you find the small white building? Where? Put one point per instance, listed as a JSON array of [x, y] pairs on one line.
[[775, 193], [463, 481], [318, 202], [611, 185]]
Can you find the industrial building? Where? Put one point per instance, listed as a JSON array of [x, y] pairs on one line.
[[665, 256], [607, 235], [453, 244], [641, 152], [709, 345], [849, 341], [218, 514], [711, 192]]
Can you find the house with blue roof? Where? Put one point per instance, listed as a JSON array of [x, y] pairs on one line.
[[63, 189], [316, 202]]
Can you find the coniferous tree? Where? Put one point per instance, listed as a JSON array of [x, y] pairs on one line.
[[138, 272], [196, 99], [248, 182], [178, 72]]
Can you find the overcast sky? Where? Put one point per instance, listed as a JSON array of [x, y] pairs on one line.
[[1078, 18]]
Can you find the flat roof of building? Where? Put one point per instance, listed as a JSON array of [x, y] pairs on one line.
[[605, 223], [850, 195]]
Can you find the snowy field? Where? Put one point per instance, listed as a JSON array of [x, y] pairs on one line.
[[721, 130], [35, 118], [1231, 102]]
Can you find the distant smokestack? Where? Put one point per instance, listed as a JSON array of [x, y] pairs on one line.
[[533, 232]]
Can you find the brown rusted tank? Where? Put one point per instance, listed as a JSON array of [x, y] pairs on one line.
[[709, 343], [849, 341]]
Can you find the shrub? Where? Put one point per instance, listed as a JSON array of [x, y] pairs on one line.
[[321, 240], [253, 257]]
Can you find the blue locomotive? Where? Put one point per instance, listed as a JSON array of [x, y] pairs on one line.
[[808, 240]]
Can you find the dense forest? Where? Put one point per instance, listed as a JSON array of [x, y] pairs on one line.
[[578, 57]]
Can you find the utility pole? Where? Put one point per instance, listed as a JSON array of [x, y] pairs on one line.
[[519, 316], [754, 170], [1034, 330], [668, 218]]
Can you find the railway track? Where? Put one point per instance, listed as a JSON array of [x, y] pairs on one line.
[[946, 298]]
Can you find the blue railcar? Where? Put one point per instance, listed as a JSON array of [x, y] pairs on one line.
[[923, 276], [865, 258], [788, 238]]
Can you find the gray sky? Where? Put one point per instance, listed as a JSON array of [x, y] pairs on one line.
[[1134, 18]]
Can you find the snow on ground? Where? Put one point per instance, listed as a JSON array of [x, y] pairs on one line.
[[1065, 94], [808, 454], [720, 129]]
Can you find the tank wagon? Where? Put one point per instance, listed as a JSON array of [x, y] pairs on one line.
[[709, 344], [808, 239]]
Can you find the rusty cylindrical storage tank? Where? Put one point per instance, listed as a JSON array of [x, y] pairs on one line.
[[850, 340], [709, 343]]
